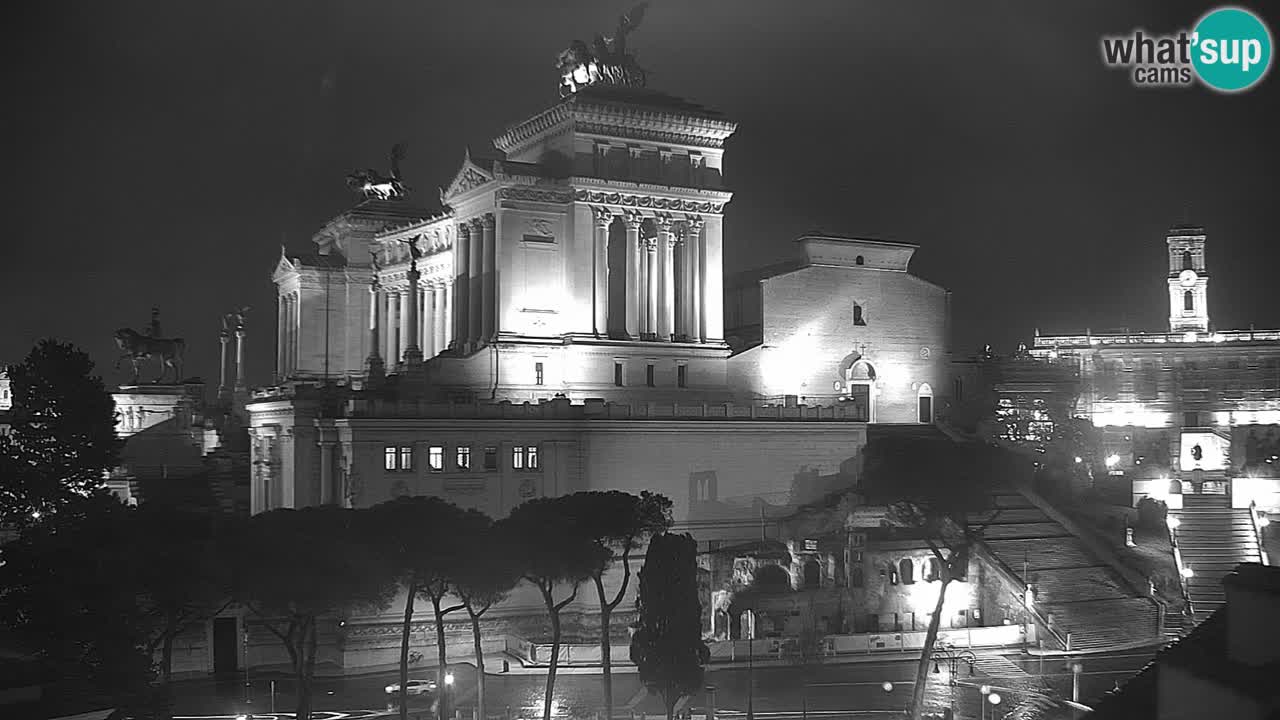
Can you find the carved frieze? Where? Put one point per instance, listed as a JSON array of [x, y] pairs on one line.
[[648, 202], [542, 195], [540, 227]]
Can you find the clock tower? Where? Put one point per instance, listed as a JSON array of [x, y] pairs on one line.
[[1188, 281]]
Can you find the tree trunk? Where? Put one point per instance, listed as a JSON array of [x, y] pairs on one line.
[[555, 653], [166, 660], [302, 709], [442, 656], [606, 659], [670, 699], [405, 633], [922, 669], [475, 637]]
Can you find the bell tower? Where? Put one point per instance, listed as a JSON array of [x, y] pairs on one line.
[[1188, 280]]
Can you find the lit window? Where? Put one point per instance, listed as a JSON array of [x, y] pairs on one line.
[[435, 458], [524, 457], [463, 457], [491, 458], [389, 458], [648, 374], [617, 374], [537, 374], [682, 376], [406, 458]]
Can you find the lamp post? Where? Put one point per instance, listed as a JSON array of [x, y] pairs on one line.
[[953, 658], [1076, 669], [751, 678]]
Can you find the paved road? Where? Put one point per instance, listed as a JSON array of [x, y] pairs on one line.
[[827, 691]]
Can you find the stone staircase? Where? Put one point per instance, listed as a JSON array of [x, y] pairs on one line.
[[1084, 597], [1213, 538]]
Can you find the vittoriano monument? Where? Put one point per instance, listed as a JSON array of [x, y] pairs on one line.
[[138, 347], [372, 184], [605, 62]]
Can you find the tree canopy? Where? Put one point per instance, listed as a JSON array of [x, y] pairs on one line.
[[62, 438]]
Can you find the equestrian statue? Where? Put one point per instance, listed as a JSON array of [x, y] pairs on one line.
[[372, 184], [138, 347]]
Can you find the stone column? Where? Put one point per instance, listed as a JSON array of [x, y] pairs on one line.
[[666, 279], [281, 338], [446, 313], [600, 271], [240, 333], [295, 321], [475, 284], [374, 369], [327, 495], [440, 316], [651, 287], [461, 287], [635, 291], [489, 276], [223, 337], [393, 325], [713, 279], [412, 323], [694, 267]]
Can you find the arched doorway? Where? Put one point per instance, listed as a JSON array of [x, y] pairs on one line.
[[771, 578], [860, 386], [924, 404], [812, 575]]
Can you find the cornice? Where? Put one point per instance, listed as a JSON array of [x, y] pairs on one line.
[[621, 120], [649, 202]]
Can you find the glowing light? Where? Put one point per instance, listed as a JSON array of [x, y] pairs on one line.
[[1187, 573], [1218, 337], [887, 686], [35, 514], [448, 680], [1264, 521], [1113, 460], [985, 689], [994, 698], [1172, 522], [1189, 337], [1136, 417]]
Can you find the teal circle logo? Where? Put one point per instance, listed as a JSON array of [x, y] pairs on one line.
[[1231, 49]]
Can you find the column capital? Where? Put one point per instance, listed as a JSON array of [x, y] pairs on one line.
[[464, 228], [664, 221], [603, 216], [649, 243], [694, 223], [488, 221], [633, 218]]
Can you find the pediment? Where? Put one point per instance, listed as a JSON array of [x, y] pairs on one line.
[[284, 267], [469, 177]]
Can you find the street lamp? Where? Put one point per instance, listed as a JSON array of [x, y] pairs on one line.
[[986, 693], [1076, 669]]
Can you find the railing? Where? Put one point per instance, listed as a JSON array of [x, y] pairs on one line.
[[591, 409], [1177, 560], [1257, 531]]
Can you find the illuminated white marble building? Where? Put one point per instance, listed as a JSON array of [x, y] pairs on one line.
[[1194, 403]]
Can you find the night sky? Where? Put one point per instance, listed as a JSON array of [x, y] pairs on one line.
[[160, 152]]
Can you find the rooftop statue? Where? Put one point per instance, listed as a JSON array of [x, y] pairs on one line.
[[606, 61], [138, 347], [372, 184]]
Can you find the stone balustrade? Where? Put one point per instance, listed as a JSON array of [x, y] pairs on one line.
[[594, 409]]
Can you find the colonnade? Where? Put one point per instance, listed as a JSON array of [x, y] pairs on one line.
[[395, 323], [665, 276]]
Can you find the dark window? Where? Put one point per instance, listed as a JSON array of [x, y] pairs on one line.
[[463, 457], [682, 375], [958, 389], [934, 572], [856, 579], [812, 575], [1187, 262], [1188, 301], [907, 571], [859, 261], [491, 458], [617, 374], [1190, 419], [857, 315], [648, 375], [537, 373]]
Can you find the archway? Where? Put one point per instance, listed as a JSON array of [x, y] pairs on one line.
[[859, 381], [924, 404], [772, 579], [812, 575]]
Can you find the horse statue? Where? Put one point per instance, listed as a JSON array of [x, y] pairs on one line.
[[138, 347], [373, 184]]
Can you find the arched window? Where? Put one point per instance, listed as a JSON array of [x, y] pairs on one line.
[[1187, 262], [857, 315], [924, 404], [934, 572], [907, 571], [859, 261], [1188, 301]]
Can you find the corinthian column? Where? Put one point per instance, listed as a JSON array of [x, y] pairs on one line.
[[650, 325], [240, 333], [461, 287], [475, 284], [411, 324], [666, 278], [600, 271], [694, 267], [374, 367], [488, 270], [635, 291], [393, 325], [223, 337]]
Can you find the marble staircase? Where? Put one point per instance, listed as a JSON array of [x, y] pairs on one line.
[[1213, 538]]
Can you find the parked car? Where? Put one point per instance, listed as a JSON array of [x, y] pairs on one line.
[[413, 687]]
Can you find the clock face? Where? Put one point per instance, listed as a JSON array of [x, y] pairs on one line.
[[1187, 278]]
